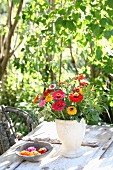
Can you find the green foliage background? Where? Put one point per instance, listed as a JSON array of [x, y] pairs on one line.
[[60, 40]]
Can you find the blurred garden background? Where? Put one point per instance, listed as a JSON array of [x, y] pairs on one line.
[[43, 41]]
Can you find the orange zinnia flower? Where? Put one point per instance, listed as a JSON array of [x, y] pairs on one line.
[[36, 98]]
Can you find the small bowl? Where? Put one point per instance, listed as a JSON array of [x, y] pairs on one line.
[[37, 145]]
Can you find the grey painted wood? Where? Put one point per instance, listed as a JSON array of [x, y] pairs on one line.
[[96, 150]]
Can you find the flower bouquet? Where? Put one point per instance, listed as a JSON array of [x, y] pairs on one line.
[[72, 99]]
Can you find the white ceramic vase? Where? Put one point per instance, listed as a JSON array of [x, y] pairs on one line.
[[71, 134]]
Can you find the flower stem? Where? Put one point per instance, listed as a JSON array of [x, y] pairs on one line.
[[54, 115], [63, 115]]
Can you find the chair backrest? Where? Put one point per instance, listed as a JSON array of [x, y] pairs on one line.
[[11, 121]]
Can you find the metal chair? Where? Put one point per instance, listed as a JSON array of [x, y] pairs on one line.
[[10, 120]]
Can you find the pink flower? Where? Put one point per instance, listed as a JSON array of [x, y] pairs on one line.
[[31, 148], [42, 98], [59, 94], [58, 105], [42, 103]]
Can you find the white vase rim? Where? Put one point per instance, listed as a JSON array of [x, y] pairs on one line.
[[70, 121]]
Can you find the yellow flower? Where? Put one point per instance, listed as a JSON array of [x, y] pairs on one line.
[[71, 110], [81, 91], [49, 98]]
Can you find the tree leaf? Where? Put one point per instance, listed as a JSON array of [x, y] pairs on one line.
[[110, 3], [98, 52], [108, 34], [59, 20], [70, 25], [16, 1], [83, 8], [97, 30], [76, 16], [103, 21]]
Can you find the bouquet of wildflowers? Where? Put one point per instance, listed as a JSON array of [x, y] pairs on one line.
[[72, 99]]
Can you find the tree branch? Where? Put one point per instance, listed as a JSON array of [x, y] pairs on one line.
[[10, 7], [60, 69], [73, 60], [8, 39], [16, 37], [12, 52], [16, 20]]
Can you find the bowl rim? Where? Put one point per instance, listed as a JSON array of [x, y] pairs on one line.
[[18, 149]]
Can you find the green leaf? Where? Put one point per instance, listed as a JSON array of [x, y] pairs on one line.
[[83, 8], [70, 25], [103, 21], [110, 3], [94, 117], [108, 34], [111, 103], [78, 2], [88, 37], [99, 52], [24, 16], [98, 15], [97, 30], [109, 21], [88, 17], [110, 12], [62, 11], [17, 17], [22, 49], [59, 20], [16, 1], [76, 16]]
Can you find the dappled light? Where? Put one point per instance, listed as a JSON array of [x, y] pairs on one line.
[[56, 62], [94, 147]]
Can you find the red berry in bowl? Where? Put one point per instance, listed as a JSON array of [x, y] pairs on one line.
[[42, 150]]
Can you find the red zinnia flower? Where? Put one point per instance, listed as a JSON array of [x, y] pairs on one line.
[[79, 77], [78, 90], [58, 105], [76, 97], [47, 92], [84, 83]]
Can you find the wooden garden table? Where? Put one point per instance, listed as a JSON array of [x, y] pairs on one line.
[[97, 151]]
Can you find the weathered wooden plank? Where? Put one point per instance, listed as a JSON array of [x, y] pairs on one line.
[[105, 162], [9, 157], [11, 166]]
